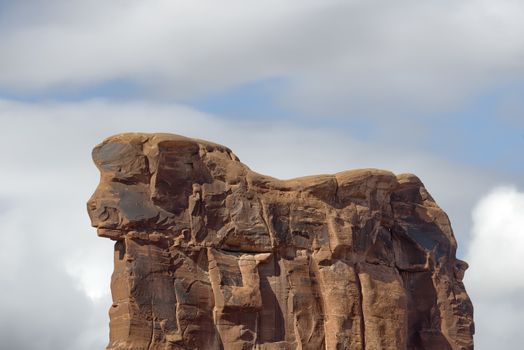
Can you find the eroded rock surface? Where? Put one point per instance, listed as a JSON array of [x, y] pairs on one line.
[[211, 255]]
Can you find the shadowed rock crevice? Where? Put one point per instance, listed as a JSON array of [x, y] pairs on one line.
[[211, 255]]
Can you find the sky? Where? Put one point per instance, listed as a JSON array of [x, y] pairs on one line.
[[294, 88]]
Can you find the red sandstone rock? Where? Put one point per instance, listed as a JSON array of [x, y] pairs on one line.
[[211, 255]]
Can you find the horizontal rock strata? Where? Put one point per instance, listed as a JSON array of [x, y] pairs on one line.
[[211, 255]]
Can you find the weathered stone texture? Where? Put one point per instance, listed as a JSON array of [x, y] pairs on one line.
[[211, 255]]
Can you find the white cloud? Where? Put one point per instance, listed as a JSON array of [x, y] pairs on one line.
[[40, 307], [495, 280], [497, 321], [338, 55], [497, 245]]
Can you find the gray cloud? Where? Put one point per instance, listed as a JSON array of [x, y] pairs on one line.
[[359, 57], [496, 276], [3, 205], [40, 307]]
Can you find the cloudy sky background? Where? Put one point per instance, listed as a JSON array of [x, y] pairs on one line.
[[433, 87]]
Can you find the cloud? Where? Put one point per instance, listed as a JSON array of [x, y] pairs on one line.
[[495, 279], [40, 307], [498, 242], [60, 270], [344, 57]]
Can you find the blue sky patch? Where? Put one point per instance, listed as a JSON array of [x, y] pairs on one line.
[[118, 89], [254, 100]]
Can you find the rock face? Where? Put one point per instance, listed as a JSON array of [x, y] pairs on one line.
[[211, 255]]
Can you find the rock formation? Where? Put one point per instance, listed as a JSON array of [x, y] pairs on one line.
[[211, 255]]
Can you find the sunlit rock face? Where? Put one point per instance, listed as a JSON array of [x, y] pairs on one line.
[[211, 255]]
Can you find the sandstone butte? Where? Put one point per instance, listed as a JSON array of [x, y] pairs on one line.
[[212, 255]]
